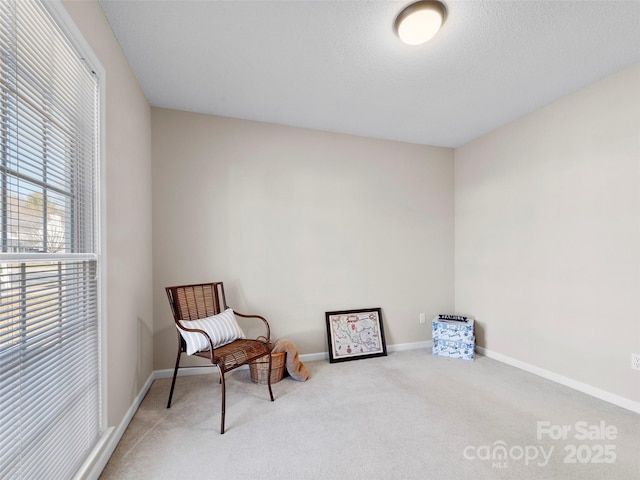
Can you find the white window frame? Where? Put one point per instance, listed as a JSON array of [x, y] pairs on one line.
[[98, 458], [94, 464]]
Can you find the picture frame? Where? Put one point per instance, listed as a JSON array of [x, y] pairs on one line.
[[355, 334]]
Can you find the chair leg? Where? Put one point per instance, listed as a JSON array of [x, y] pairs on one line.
[[223, 399], [173, 382], [269, 379]]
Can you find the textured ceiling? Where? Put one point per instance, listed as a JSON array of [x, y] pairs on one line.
[[338, 66]]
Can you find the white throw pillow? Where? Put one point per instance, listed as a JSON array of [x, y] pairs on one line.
[[222, 328]]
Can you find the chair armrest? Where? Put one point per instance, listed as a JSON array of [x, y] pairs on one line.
[[264, 320]]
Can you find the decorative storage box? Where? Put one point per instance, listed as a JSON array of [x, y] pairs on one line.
[[459, 330], [453, 349], [453, 336]]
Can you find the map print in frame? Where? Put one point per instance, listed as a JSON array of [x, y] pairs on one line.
[[355, 334]]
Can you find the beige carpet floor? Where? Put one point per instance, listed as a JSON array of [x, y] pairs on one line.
[[409, 415]]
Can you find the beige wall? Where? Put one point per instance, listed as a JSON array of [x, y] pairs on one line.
[[547, 251], [299, 222], [128, 184]]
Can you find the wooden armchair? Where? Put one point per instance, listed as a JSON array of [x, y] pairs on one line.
[[192, 306]]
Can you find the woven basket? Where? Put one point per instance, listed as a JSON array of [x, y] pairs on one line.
[[259, 371]]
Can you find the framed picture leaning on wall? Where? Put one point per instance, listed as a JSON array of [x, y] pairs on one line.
[[355, 334]]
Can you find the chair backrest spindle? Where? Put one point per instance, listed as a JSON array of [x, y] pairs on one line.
[[192, 302]]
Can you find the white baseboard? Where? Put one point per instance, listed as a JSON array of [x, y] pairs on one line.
[[306, 357], [401, 347], [97, 459], [185, 371], [562, 380], [313, 357], [112, 437]]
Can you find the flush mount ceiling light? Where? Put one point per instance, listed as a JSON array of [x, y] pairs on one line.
[[419, 22]]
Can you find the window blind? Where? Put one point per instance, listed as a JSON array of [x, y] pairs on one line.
[[50, 385]]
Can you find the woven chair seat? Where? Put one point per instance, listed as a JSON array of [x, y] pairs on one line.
[[237, 353]]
